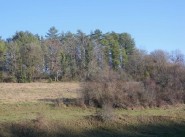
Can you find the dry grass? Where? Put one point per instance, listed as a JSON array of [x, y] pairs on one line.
[[33, 92]]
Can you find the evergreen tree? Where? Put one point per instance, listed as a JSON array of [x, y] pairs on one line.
[[52, 33], [2, 58], [123, 58], [127, 42], [115, 51]]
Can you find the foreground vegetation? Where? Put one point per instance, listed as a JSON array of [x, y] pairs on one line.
[[44, 116]]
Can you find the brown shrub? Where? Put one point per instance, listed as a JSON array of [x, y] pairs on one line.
[[110, 90], [108, 87]]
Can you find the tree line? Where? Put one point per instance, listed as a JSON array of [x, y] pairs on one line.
[[26, 57]]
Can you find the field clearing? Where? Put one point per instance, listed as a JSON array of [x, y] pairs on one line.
[[23, 112], [33, 92]]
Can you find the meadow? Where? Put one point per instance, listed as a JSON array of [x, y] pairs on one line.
[[34, 109]]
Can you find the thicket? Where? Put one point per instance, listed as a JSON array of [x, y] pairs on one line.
[[149, 81]]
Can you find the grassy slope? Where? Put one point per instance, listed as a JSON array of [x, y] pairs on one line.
[[28, 116]]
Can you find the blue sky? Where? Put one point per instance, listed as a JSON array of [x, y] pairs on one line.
[[154, 24]]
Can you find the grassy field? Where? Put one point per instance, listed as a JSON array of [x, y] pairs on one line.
[[34, 92], [30, 110]]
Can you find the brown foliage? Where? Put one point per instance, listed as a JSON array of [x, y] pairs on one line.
[[110, 90]]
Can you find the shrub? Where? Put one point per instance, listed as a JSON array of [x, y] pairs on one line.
[[10, 79], [50, 80], [110, 90], [105, 114]]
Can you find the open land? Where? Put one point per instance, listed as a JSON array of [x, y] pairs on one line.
[[32, 109]]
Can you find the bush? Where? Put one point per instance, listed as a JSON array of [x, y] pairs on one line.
[[1, 76], [10, 79], [105, 114], [50, 80], [110, 90]]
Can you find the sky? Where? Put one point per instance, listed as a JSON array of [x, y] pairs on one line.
[[154, 24]]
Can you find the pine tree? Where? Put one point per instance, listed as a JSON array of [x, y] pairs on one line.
[[52, 33], [2, 58]]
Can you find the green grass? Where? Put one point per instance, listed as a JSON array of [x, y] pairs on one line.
[[28, 111], [46, 120], [173, 111]]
